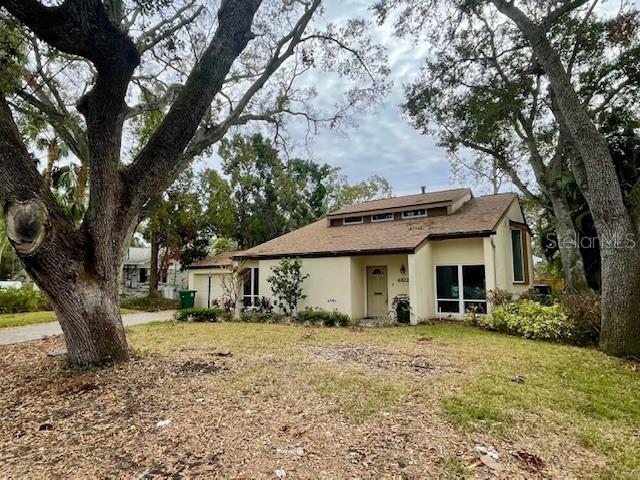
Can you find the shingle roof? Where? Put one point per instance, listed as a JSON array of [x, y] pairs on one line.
[[404, 201], [222, 260], [480, 215]]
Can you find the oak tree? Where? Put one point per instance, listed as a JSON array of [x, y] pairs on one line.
[[93, 66]]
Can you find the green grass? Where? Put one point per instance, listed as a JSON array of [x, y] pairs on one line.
[[29, 318], [570, 396]]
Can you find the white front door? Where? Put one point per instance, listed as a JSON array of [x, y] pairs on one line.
[[377, 296]]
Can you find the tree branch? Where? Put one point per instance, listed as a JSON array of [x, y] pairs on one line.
[[163, 152]]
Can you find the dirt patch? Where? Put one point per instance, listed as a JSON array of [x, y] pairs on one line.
[[376, 359], [199, 367]]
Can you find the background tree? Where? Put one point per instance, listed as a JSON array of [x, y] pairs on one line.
[[177, 229], [481, 93], [215, 67], [581, 78], [270, 197]]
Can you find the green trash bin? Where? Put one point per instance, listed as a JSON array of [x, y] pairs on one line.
[[187, 298]]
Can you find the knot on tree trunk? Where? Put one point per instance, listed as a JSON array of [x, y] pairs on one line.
[[27, 225]]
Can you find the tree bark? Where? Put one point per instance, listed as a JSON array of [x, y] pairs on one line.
[[79, 268], [618, 235], [153, 269], [568, 242]]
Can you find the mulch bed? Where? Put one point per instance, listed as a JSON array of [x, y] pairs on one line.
[[194, 413]]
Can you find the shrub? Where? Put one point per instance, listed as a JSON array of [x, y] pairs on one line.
[[200, 315], [252, 316], [583, 310], [530, 319], [286, 285], [323, 317], [536, 296], [23, 299], [499, 297], [149, 304]]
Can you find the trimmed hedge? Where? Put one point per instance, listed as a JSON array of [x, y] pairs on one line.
[[24, 299], [323, 317], [200, 315], [149, 304]]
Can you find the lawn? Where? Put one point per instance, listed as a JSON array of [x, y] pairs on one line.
[[243, 400], [28, 318]]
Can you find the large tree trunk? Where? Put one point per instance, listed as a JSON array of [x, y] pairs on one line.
[[90, 319], [85, 300], [568, 246], [618, 235]]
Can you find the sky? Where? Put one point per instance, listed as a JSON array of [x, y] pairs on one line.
[[383, 142]]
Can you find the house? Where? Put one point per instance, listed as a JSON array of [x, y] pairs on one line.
[[445, 250], [135, 275]]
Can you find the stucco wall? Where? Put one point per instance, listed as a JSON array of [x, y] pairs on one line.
[[421, 286], [504, 255], [469, 251], [328, 286]]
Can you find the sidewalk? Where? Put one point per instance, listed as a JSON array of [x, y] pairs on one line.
[[41, 330]]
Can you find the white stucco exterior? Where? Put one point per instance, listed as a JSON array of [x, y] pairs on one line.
[[339, 282]]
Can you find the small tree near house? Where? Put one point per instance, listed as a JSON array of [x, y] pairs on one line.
[[286, 285]]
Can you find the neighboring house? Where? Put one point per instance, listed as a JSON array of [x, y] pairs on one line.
[[445, 250], [135, 275]]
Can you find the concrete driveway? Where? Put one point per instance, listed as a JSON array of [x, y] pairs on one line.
[[41, 330]]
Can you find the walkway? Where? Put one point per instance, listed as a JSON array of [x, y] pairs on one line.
[[41, 330]]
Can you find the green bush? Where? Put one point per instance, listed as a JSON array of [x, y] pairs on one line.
[[253, 316], [200, 315], [149, 304], [530, 319], [323, 317], [583, 310], [24, 299]]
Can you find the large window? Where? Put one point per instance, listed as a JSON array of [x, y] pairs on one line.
[[251, 290], [460, 288], [517, 247]]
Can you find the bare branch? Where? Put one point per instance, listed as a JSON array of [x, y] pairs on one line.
[[167, 27]]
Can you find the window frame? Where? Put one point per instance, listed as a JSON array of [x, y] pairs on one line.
[[461, 298], [422, 215], [345, 222], [523, 239], [389, 217], [254, 288]]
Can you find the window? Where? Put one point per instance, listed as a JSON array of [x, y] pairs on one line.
[[414, 213], [453, 299], [382, 217], [517, 248], [351, 220], [250, 288], [143, 275]]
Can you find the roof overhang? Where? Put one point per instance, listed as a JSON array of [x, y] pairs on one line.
[[326, 254]]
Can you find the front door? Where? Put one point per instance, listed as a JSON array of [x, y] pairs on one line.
[[377, 298]]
